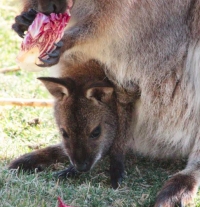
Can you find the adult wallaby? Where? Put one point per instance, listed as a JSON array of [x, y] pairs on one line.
[[154, 44]]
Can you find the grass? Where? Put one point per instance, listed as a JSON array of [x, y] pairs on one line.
[[144, 177]]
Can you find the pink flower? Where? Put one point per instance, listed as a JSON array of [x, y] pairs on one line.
[[41, 36]]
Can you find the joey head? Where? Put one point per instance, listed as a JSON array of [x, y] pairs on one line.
[[86, 117], [86, 112]]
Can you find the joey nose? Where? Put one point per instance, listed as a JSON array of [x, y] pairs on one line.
[[83, 166]]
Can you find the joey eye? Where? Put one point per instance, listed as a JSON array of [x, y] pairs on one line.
[[64, 133], [95, 133]]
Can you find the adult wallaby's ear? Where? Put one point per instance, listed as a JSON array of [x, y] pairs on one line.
[[102, 94], [58, 87]]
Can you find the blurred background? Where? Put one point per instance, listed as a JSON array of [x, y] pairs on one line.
[[20, 127]]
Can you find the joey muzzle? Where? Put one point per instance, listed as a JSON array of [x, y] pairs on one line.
[[83, 166]]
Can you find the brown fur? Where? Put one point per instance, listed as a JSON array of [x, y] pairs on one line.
[[179, 188], [85, 101], [153, 44]]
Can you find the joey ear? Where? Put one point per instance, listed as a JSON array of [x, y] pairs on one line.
[[102, 94], [58, 87]]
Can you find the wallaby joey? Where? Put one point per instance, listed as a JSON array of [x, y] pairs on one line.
[[87, 113], [154, 44]]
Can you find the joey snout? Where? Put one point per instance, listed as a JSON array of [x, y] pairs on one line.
[[82, 166], [84, 162]]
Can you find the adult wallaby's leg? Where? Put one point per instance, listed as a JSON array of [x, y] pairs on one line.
[[181, 189], [40, 158]]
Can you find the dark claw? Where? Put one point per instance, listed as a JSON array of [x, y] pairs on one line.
[[41, 65], [20, 20], [18, 30], [32, 12], [53, 56], [59, 44], [27, 18], [30, 15], [49, 62], [69, 172], [55, 53]]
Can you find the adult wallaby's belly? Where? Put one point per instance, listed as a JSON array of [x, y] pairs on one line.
[[165, 121]]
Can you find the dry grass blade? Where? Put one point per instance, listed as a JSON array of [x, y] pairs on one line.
[[9, 69], [26, 102]]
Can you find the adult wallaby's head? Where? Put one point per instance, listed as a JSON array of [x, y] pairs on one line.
[[86, 115]]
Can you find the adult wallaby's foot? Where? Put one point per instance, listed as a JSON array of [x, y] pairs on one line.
[[180, 190], [23, 21]]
